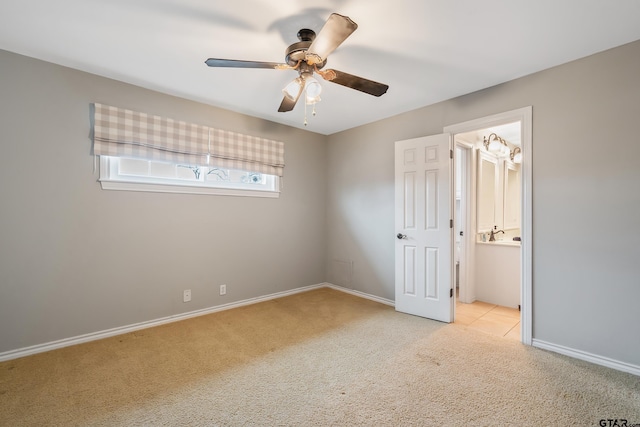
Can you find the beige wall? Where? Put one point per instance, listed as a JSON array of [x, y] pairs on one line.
[[76, 259], [586, 202]]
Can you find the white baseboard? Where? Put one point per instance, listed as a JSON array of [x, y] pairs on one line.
[[361, 294], [66, 342], [589, 357]]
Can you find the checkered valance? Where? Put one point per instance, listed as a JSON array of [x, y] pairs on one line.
[[125, 133]]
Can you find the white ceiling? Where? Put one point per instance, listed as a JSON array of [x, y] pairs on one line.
[[426, 50]]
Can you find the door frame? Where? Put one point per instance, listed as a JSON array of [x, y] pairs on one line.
[[467, 269], [524, 116]]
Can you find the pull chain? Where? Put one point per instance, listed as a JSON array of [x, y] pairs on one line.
[[305, 113]]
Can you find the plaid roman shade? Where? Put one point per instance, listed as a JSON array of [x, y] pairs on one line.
[[125, 133]]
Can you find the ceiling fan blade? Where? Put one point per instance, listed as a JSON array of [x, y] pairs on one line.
[[287, 104], [333, 33], [234, 63], [355, 82]]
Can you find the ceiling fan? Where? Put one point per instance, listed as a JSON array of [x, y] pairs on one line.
[[309, 56]]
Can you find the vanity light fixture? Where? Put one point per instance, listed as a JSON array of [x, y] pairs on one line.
[[492, 145], [516, 155], [504, 150], [497, 145]]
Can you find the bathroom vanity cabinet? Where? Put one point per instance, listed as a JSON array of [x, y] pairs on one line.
[[498, 273]]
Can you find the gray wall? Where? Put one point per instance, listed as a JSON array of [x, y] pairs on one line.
[[76, 259], [586, 201]]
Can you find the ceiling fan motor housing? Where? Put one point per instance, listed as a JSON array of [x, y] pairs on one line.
[[306, 35], [296, 52]]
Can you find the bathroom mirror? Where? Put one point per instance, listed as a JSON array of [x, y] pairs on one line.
[[487, 187], [511, 195]]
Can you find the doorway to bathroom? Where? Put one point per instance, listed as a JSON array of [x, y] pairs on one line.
[[492, 221]]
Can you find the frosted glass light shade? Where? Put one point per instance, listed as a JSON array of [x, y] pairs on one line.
[[293, 89], [495, 146], [517, 158], [313, 90]]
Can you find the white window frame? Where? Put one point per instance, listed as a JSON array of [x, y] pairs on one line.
[[111, 180]]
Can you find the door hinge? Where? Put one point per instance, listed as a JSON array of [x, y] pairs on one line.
[[450, 223], [451, 154], [451, 293]]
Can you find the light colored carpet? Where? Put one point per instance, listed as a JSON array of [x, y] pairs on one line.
[[322, 358]]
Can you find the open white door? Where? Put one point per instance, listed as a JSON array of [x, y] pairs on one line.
[[424, 227]]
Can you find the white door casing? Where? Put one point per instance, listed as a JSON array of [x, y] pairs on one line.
[[423, 219], [525, 117], [463, 159]]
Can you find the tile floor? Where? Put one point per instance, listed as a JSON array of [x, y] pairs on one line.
[[489, 318]]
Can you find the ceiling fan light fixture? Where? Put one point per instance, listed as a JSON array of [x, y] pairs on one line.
[[293, 89], [309, 56], [313, 90], [313, 101]]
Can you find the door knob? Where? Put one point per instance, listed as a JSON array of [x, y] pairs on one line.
[[401, 236]]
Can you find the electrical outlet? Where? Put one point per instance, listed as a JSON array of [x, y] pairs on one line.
[[223, 289], [186, 295]]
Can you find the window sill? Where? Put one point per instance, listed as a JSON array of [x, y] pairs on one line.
[[164, 188]]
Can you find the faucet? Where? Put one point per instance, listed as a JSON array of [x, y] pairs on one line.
[[492, 236]]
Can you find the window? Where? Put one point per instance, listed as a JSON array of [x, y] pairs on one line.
[[142, 152], [120, 173]]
